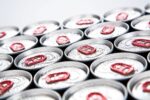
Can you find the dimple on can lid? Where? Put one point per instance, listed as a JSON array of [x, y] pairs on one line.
[[88, 50], [107, 30], [61, 38], [41, 28], [124, 14], [36, 94], [38, 58], [6, 62], [142, 23], [97, 89], [62, 75], [138, 86], [8, 32], [81, 21], [147, 8], [17, 44], [118, 66], [13, 81], [137, 42]]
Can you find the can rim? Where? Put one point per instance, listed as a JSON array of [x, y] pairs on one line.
[[135, 21], [123, 24], [101, 41], [123, 8], [36, 50], [46, 36], [81, 16], [110, 56], [40, 22], [32, 91], [147, 7], [94, 82], [61, 65], [130, 34]]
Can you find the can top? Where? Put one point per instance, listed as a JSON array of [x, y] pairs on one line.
[[8, 32], [88, 50], [56, 38], [97, 83], [41, 28], [6, 61], [125, 14], [95, 31], [81, 21], [147, 8], [136, 41], [115, 58], [36, 93], [141, 23]]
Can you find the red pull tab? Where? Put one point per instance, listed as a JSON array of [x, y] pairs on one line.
[[5, 86], [108, 29], [57, 77], [40, 30], [62, 40], [2, 34], [84, 22], [86, 49], [146, 86], [96, 96], [122, 16], [121, 68], [15, 47], [35, 60], [141, 43]]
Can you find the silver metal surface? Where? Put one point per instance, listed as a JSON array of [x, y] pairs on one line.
[[114, 56], [147, 8], [66, 32], [97, 26]]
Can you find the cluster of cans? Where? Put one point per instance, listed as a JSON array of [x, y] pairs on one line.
[[84, 54]]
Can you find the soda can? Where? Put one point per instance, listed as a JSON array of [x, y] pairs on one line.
[[147, 8], [107, 30], [142, 23], [138, 86], [137, 42], [61, 38], [13, 81], [36, 94], [6, 62], [81, 21], [17, 44], [8, 32], [88, 50], [96, 89], [37, 58], [125, 14], [118, 66], [62, 75], [40, 28]]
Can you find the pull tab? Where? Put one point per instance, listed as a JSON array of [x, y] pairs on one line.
[[35, 60], [96, 96], [84, 22], [86, 49], [15, 47], [122, 16], [5, 86], [57, 77], [2, 34], [40, 30], [141, 43], [62, 40], [146, 86], [121, 68], [108, 29]]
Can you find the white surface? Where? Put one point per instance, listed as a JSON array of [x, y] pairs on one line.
[[24, 12]]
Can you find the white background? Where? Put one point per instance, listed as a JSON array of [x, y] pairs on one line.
[[24, 12]]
